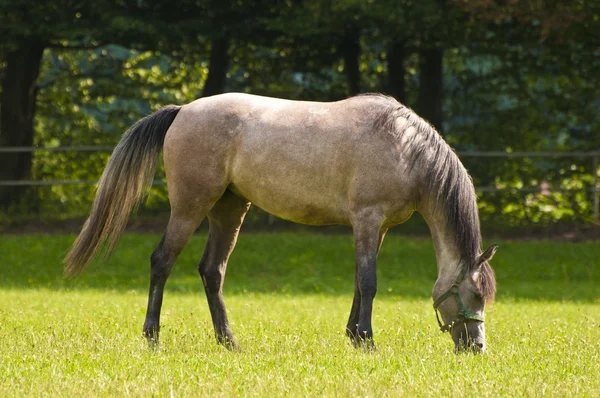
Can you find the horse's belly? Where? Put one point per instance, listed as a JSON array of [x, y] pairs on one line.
[[299, 205], [307, 193]]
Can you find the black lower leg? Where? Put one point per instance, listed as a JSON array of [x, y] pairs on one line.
[[352, 326], [352, 329], [367, 240], [160, 270], [212, 269], [225, 220], [368, 288], [365, 330], [216, 304]]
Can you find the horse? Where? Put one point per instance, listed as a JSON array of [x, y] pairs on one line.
[[367, 162]]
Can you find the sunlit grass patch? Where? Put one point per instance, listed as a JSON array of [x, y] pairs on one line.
[[288, 299]]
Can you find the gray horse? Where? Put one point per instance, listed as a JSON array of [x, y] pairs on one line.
[[367, 161]]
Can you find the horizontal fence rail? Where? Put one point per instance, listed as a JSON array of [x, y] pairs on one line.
[[594, 155], [498, 154], [82, 148]]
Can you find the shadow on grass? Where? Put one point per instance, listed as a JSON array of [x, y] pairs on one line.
[[305, 263]]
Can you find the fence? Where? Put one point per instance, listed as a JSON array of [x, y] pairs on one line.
[[594, 155]]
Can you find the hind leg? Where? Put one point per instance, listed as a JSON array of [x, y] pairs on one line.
[[225, 220], [190, 202], [179, 230]]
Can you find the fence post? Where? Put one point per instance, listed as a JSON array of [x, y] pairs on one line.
[[595, 189]]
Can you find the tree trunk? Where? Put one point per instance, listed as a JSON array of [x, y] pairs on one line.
[[217, 67], [19, 91], [396, 85], [429, 103], [350, 47]]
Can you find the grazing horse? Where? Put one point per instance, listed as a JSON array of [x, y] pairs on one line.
[[367, 161]]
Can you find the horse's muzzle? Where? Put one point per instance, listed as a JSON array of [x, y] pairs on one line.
[[471, 346], [469, 337]]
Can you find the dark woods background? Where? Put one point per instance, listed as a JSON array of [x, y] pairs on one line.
[[491, 75]]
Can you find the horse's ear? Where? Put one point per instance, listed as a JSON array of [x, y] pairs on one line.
[[487, 255]]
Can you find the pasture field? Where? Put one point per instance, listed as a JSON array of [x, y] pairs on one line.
[[288, 296]]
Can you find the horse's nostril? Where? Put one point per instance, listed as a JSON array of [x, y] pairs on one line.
[[475, 346], [478, 347]]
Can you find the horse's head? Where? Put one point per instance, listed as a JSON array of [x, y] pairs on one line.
[[461, 302]]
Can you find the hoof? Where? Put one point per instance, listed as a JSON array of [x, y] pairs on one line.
[[151, 335], [233, 347], [229, 343], [365, 345], [368, 345], [153, 344], [152, 341], [358, 341]]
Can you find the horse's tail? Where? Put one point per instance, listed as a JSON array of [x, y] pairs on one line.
[[126, 178]]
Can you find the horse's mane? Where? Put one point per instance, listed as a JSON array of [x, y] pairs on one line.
[[448, 183]]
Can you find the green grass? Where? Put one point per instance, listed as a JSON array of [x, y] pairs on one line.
[[288, 297]]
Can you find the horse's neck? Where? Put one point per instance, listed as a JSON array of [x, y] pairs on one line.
[[448, 254]]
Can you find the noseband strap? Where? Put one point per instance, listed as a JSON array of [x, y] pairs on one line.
[[463, 313]]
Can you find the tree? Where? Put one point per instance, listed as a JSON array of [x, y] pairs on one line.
[[490, 75], [19, 92], [217, 67], [423, 28], [28, 29]]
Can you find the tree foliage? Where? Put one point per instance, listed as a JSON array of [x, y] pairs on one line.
[[505, 76]]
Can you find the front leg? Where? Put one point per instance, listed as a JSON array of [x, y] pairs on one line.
[[366, 226], [352, 326]]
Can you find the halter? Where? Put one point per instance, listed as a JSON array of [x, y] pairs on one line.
[[463, 313]]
